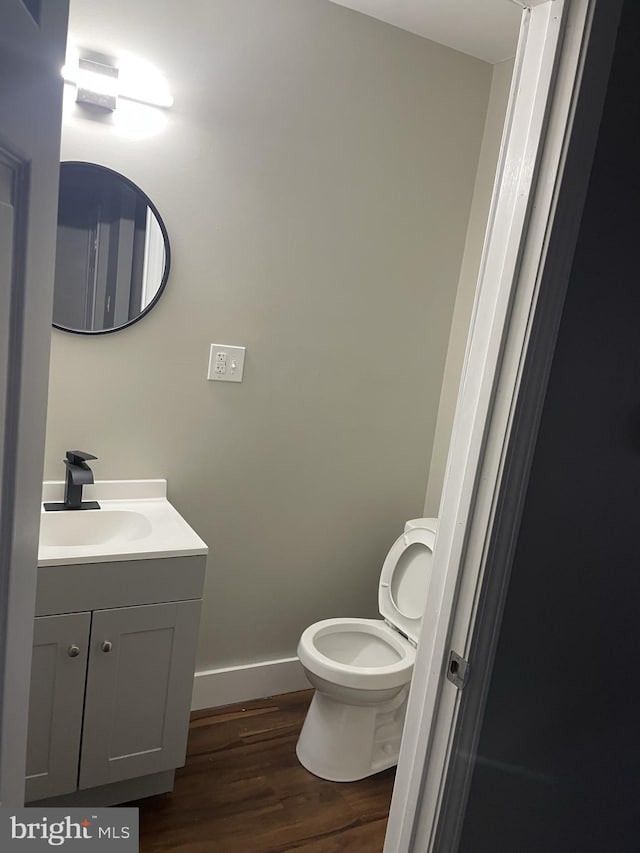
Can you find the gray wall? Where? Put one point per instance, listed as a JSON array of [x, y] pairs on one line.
[[501, 82], [316, 176]]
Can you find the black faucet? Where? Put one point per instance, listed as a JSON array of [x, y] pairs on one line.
[[78, 475]]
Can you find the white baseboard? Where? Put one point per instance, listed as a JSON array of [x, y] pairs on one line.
[[215, 687]]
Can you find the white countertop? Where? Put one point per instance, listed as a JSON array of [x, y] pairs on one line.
[[146, 525]]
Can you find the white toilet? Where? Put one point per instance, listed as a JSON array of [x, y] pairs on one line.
[[361, 668]]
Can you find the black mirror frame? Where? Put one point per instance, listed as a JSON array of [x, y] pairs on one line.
[[167, 249]]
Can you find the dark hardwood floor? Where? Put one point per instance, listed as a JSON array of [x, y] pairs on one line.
[[242, 790]]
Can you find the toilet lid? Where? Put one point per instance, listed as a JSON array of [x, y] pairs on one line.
[[404, 581]]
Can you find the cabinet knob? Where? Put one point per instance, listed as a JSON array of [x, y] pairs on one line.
[[107, 646], [73, 651]]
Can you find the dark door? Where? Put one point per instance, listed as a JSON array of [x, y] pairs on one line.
[[32, 44], [557, 768]]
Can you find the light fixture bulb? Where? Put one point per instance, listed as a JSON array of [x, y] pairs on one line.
[[141, 81]]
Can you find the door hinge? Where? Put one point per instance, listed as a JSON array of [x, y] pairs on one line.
[[458, 670]]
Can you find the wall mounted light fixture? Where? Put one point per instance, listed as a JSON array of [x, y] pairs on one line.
[[101, 83]]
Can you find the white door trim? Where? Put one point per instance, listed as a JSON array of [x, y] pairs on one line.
[[521, 211]]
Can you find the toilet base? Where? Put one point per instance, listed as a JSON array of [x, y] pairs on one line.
[[344, 743]]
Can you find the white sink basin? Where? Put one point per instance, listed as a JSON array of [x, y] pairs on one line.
[[135, 521], [91, 527]]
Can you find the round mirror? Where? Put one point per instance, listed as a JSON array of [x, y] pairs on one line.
[[112, 259]]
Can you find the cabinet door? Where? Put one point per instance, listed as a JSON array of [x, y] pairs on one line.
[[139, 685], [58, 669]]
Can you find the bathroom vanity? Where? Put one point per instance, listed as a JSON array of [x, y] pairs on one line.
[[117, 611]]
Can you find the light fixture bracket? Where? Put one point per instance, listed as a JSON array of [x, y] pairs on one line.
[[97, 85]]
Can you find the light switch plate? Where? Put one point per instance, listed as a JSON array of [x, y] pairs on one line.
[[226, 363]]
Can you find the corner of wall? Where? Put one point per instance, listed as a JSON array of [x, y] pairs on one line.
[[485, 176]]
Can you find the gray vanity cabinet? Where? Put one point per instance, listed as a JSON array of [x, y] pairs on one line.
[[112, 677], [59, 663], [139, 684]]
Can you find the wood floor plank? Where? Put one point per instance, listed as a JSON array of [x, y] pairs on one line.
[[243, 790], [238, 714], [365, 838]]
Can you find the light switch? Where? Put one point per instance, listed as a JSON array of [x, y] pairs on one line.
[[226, 363]]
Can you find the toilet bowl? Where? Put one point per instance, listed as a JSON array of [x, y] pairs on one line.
[[361, 668]]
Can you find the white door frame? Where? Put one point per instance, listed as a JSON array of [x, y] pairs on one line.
[[546, 81]]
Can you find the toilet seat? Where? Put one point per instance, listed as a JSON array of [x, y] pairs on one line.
[[405, 578], [357, 653], [375, 654]]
